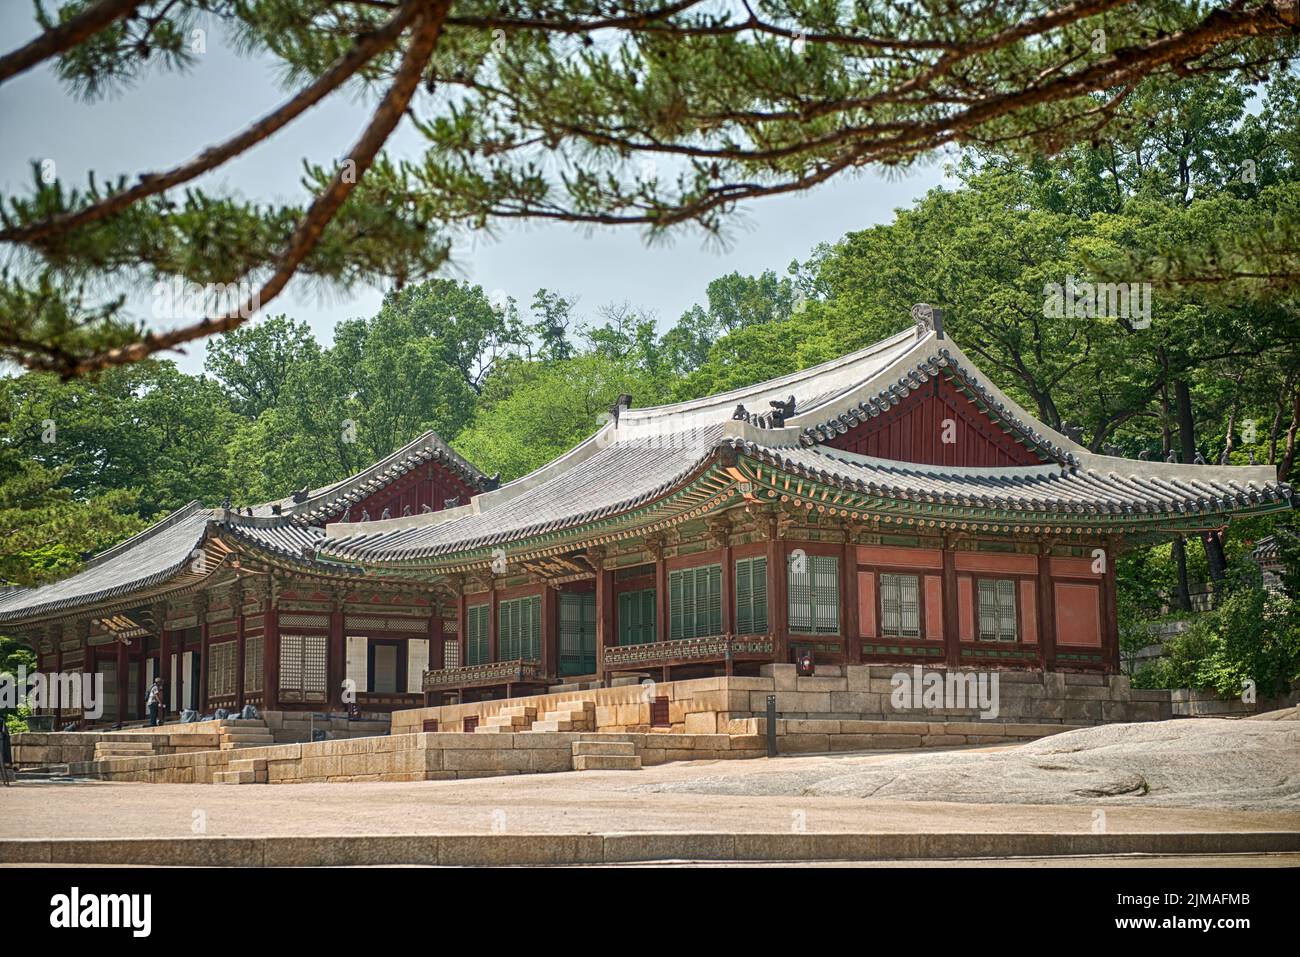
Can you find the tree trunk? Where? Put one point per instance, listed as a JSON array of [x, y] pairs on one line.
[[1214, 557]]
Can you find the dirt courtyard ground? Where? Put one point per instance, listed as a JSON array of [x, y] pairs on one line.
[[707, 796]]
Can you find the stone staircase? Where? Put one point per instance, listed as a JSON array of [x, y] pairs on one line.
[[508, 721], [252, 771], [569, 716], [245, 733], [124, 748], [605, 756]]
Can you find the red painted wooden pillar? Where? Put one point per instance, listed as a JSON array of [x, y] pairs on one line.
[[849, 624], [87, 668], [493, 647], [1110, 613], [462, 618], [437, 651], [1046, 608], [271, 657], [336, 673], [123, 691], [240, 660], [165, 664], [550, 632], [58, 685], [605, 635], [180, 670], [662, 608], [201, 692], [951, 611], [778, 610]]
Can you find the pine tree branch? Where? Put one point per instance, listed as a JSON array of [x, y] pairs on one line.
[[363, 51], [428, 27], [65, 36]]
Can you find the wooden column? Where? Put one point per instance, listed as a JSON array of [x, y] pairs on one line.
[[1110, 611], [1046, 607], [201, 692], [655, 546], [493, 638], [180, 670], [337, 667], [437, 651], [720, 528], [123, 671], [58, 669], [778, 607], [550, 631], [849, 624], [462, 618], [164, 655], [237, 605], [271, 650], [141, 679], [951, 608], [605, 635]]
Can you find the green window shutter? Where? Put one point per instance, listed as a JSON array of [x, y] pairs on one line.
[[814, 594], [626, 626], [649, 614], [799, 578], [751, 596], [900, 612], [636, 617], [695, 602], [826, 594], [476, 634], [675, 591], [531, 646], [997, 609], [519, 628]]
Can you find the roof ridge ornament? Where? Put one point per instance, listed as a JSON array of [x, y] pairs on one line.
[[927, 319]]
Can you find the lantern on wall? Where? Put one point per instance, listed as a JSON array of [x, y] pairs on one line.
[[804, 666]]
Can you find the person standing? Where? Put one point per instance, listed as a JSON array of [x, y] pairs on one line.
[[155, 702]]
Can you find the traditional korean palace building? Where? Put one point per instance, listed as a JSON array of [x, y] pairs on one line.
[[892, 505]]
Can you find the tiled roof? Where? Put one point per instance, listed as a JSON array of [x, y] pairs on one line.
[[642, 453], [332, 500], [611, 478], [1109, 486], [149, 558]]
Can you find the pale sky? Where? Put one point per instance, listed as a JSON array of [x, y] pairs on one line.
[[167, 118]]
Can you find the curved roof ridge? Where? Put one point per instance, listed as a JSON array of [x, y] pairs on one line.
[[172, 518]]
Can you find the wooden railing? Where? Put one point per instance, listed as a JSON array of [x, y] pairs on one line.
[[490, 673], [686, 650]]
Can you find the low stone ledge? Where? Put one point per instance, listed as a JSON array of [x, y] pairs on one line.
[[622, 847]]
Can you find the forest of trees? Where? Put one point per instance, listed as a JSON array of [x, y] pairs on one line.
[[1216, 374]]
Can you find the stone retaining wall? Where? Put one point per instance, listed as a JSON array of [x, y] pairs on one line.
[[43, 748], [440, 756], [1187, 703], [836, 693]]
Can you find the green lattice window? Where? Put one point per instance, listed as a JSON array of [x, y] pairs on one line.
[[577, 633], [636, 617], [476, 634], [900, 606], [519, 629], [997, 609], [814, 593], [695, 602], [751, 596]]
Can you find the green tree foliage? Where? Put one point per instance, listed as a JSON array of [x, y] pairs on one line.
[[634, 112]]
